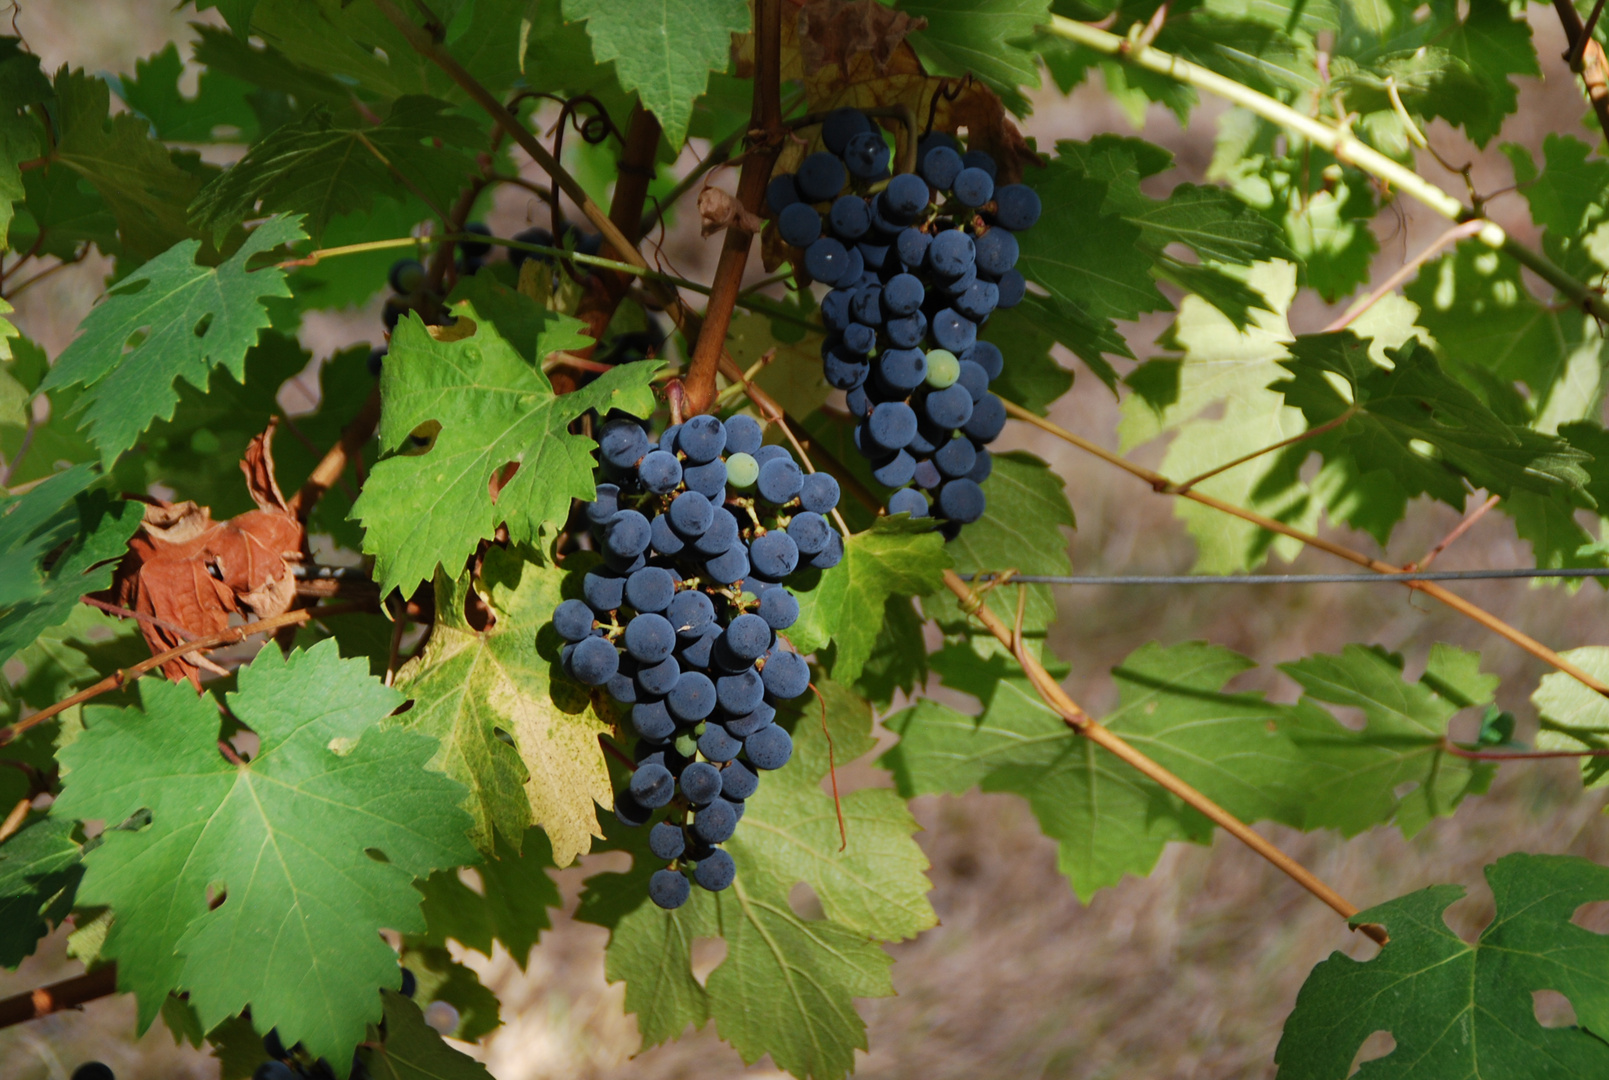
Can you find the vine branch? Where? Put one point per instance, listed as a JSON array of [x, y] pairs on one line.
[[67, 994], [1080, 721], [123, 676], [1337, 140], [1162, 485], [766, 134], [1586, 59]]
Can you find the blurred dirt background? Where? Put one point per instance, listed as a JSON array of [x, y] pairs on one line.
[[1186, 974]]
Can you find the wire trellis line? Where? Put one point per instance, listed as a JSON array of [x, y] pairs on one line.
[[1280, 579]]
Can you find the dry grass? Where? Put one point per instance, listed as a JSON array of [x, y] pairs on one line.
[[1187, 974]]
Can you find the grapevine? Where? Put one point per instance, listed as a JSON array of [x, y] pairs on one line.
[[686, 499]]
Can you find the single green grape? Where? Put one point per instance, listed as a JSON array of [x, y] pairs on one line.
[[742, 470], [942, 368], [687, 744]]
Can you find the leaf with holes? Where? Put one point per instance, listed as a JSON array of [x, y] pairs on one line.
[[1462, 1011], [285, 840], [494, 408]]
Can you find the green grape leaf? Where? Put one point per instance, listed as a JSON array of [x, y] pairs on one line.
[[1322, 206], [286, 837], [1226, 370], [412, 1049], [494, 408], [1574, 717], [143, 186], [1444, 66], [985, 39], [898, 659], [895, 557], [95, 529], [471, 689], [1480, 311], [197, 453], [219, 112], [21, 84], [1458, 1010], [1213, 223], [39, 871], [663, 49], [510, 906], [64, 212], [787, 983], [1028, 332], [193, 318], [1567, 196], [1408, 431], [1397, 766], [1022, 531], [319, 169], [1108, 819], [1083, 255], [1229, 294]]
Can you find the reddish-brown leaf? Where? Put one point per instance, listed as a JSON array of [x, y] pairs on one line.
[[190, 573]]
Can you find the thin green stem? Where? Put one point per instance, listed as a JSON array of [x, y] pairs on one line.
[[1337, 140]]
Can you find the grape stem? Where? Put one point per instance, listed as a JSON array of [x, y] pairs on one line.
[[832, 771], [122, 677], [766, 136], [1339, 141], [1163, 486], [1459, 530], [67, 994], [426, 46], [1051, 693]]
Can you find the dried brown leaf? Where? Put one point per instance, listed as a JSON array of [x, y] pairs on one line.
[[190, 573], [717, 209]]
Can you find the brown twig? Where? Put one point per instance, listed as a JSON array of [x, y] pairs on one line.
[[1586, 59], [1516, 755], [1329, 425], [14, 820], [124, 676], [125, 613], [1389, 285], [832, 771], [67, 994], [1579, 47], [1459, 530], [333, 464], [1080, 721], [618, 754], [1163, 485], [765, 143]]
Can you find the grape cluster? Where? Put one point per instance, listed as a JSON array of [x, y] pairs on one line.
[[698, 532], [916, 267]]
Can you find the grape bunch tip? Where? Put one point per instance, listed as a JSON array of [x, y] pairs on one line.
[[698, 532]]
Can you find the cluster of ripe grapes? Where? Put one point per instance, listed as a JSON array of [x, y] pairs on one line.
[[697, 532], [916, 267]]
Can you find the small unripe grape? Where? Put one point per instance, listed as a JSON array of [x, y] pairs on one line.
[[942, 369], [742, 470]]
